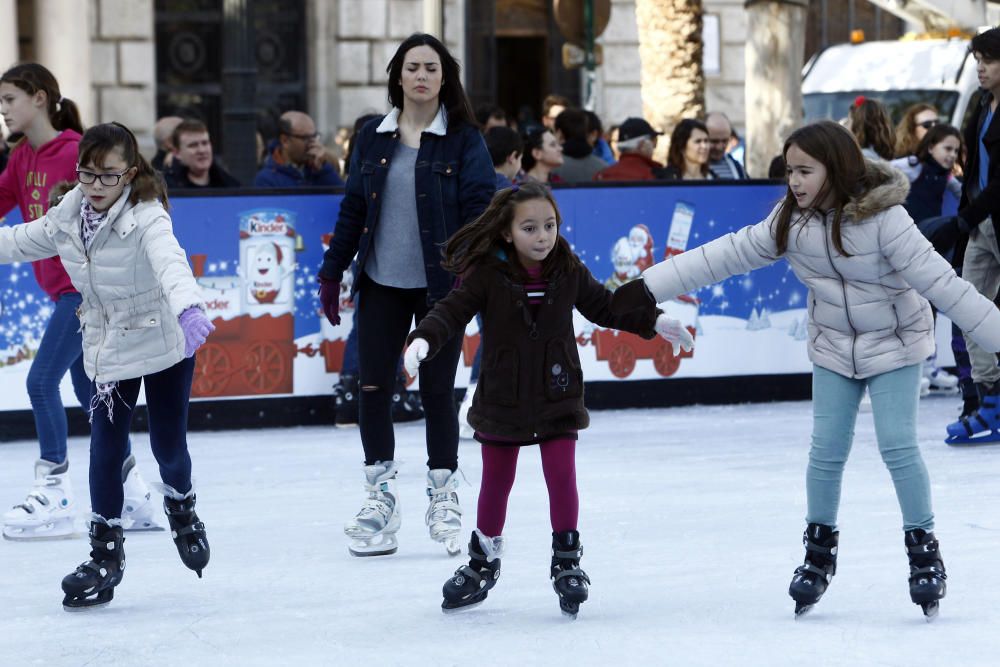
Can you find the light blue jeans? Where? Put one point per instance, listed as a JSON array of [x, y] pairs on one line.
[[895, 396]]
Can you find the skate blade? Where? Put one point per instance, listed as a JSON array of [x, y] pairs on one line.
[[364, 553], [85, 607], [931, 610], [570, 615], [803, 609], [961, 440], [346, 425], [37, 537], [150, 528], [461, 607]]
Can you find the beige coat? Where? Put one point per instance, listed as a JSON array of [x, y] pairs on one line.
[[868, 313], [135, 281]]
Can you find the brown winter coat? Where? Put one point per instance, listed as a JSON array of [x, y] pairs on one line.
[[531, 384]]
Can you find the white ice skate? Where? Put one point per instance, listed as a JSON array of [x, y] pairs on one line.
[[49, 511], [465, 430], [373, 529], [138, 510], [940, 380], [444, 514], [925, 387]]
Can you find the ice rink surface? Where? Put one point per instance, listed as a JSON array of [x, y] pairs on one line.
[[691, 522]]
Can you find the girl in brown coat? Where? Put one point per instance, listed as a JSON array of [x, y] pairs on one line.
[[525, 281]]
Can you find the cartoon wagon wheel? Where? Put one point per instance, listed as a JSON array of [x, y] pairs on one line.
[[621, 361], [265, 367], [212, 371], [665, 361]]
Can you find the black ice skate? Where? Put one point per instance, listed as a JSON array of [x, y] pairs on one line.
[[93, 583], [471, 583], [813, 576], [187, 530], [345, 401], [927, 576], [568, 580]]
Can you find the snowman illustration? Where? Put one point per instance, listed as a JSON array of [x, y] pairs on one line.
[[266, 273], [623, 259]]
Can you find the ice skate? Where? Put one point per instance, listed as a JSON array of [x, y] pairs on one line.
[[444, 514], [925, 387], [465, 430], [373, 529], [983, 426], [811, 578], [472, 583], [345, 400], [941, 381], [406, 405], [138, 511], [568, 580], [93, 583], [48, 512], [927, 574], [186, 529]]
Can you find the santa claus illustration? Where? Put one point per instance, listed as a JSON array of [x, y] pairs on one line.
[[642, 246]]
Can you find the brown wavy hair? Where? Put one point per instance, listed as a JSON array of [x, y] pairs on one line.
[[831, 145], [906, 131], [872, 127], [32, 78], [100, 140], [483, 238], [678, 142]]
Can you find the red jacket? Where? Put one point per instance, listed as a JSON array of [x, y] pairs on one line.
[[26, 182], [630, 167]]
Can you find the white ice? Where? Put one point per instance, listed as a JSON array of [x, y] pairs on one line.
[[691, 521]]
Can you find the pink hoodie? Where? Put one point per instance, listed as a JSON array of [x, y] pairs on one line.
[[26, 182]]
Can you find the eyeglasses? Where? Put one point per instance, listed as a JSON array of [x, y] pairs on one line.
[[315, 136], [928, 124], [107, 180]]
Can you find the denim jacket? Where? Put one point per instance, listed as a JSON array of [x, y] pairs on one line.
[[454, 184]]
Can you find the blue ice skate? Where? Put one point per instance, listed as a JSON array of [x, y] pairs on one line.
[[983, 426]]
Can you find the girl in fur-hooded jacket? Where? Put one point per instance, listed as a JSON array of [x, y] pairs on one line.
[[870, 273]]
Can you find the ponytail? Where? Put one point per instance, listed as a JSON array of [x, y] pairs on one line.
[[32, 78]]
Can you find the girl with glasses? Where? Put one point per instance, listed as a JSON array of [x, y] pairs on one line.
[[46, 156], [142, 319]]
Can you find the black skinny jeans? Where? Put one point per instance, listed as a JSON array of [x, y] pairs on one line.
[[167, 394], [384, 317]]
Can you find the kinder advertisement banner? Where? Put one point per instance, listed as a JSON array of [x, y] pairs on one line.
[[256, 259]]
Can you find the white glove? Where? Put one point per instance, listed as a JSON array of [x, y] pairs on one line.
[[673, 331], [415, 353]]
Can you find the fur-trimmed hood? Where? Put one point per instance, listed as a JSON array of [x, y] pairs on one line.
[[887, 187]]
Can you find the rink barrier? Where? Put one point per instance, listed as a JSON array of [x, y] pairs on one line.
[[273, 359]]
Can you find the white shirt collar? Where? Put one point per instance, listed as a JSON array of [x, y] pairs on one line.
[[439, 127]]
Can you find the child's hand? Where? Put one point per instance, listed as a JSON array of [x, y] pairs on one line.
[[415, 353], [675, 332], [196, 326]]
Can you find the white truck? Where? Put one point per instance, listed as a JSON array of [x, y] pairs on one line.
[[898, 74]]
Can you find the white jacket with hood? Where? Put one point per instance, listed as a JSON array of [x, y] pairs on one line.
[[135, 281], [868, 312]]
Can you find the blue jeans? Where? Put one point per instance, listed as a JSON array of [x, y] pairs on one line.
[[167, 394], [60, 350], [894, 395]]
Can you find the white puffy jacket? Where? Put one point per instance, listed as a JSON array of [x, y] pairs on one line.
[[867, 312], [135, 282]]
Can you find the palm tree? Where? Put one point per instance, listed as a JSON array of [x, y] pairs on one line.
[[670, 50]]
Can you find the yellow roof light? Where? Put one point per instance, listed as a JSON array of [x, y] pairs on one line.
[[857, 36]]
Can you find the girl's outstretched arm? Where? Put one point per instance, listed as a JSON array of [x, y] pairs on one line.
[[170, 264], [913, 256], [738, 252], [27, 242], [450, 315], [594, 302]]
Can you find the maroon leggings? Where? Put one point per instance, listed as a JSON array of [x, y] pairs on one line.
[[499, 469]]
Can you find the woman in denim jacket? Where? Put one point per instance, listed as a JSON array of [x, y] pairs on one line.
[[416, 176]]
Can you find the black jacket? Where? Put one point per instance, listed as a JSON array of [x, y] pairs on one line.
[[455, 182], [976, 206], [176, 176], [531, 384]]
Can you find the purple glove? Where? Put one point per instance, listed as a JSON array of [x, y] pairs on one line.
[[329, 297], [196, 328]]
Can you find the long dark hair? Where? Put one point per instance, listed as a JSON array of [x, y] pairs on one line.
[[31, 78], [483, 238], [100, 140], [934, 136], [835, 148], [872, 127], [533, 139], [678, 142], [452, 94]]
